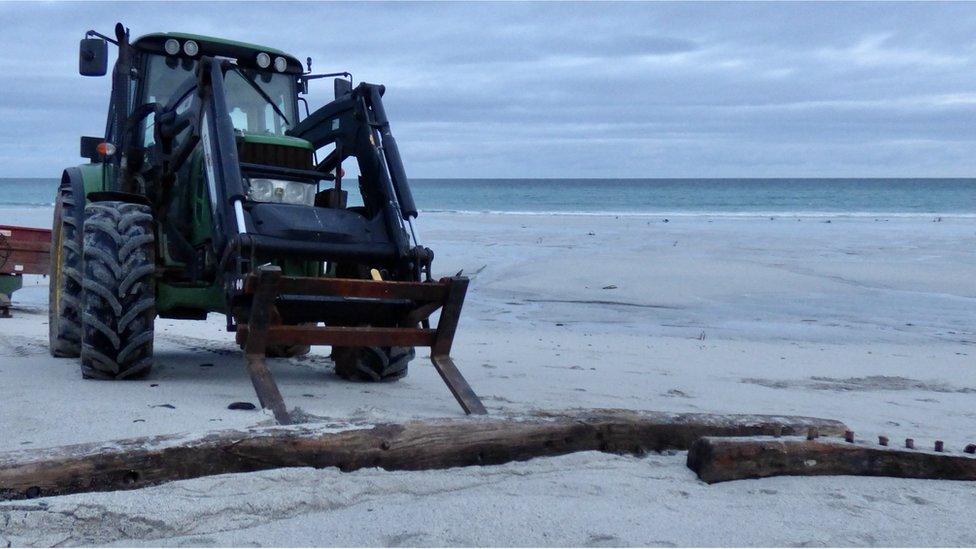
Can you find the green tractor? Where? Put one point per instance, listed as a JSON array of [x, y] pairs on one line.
[[210, 192]]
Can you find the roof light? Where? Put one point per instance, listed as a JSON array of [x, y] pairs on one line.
[[280, 64], [172, 46], [264, 60], [191, 48]]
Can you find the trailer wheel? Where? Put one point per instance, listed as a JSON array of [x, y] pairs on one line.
[[119, 291], [64, 287], [372, 363]]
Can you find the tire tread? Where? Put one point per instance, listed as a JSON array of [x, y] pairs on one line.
[[119, 299], [64, 318]]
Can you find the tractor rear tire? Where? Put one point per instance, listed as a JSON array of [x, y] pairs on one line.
[[372, 363], [64, 286], [119, 291]]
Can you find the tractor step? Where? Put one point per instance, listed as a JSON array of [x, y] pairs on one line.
[[393, 310]]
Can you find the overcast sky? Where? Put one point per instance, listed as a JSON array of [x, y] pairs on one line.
[[566, 90]]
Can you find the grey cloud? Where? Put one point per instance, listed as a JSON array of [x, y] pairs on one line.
[[574, 89]]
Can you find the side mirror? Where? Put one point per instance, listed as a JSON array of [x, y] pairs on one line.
[[93, 57], [89, 148], [342, 87]]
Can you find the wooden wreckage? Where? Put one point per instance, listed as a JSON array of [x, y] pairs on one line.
[[720, 447], [717, 459], [413, 445]]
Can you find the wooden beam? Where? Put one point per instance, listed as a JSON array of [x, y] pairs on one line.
[[414, 445], [723, 459]]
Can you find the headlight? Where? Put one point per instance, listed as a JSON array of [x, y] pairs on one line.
[[264, 60], [191, 48], [281, 191]]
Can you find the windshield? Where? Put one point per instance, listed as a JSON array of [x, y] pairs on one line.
[[249, 111]]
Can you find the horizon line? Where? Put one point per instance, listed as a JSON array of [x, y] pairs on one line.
[[682, 178]]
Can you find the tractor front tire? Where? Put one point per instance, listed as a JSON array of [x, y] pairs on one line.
[[119, 291], [64, 286], [372, 363]]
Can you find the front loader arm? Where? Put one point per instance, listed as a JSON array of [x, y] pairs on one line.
[[356, 123], [222, 166], [196, 115]]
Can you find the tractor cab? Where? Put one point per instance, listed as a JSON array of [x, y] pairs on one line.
[[260, 91]]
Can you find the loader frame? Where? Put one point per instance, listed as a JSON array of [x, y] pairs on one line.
[[259, 329]]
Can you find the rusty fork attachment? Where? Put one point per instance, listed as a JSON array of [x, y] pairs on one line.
[[410, 306]]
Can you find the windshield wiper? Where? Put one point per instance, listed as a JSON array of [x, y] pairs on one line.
[[262, 93]]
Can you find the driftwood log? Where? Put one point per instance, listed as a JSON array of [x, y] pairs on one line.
[[721, 459], [413, 445]]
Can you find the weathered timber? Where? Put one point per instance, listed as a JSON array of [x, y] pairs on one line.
[[722, 459], [414, 445]]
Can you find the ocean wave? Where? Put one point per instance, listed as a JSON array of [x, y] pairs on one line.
[[717, 214], [8, 205], [650, 214]]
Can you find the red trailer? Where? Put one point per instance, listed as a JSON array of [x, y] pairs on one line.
[[22, 251]]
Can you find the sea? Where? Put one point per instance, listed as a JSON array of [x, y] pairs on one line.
[[712, 197]]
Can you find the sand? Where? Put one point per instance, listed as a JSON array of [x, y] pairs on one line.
[[871, 321]]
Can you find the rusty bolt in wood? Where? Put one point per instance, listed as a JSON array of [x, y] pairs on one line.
[[849, 436], [812, 433], [882, 440], [910, 443], [970, 449], [939, 446]]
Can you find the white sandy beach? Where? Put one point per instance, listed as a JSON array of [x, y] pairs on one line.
[[871, 321]]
